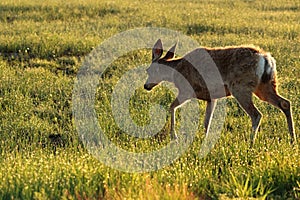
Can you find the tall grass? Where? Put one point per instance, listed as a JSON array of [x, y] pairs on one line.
[[42, 46]]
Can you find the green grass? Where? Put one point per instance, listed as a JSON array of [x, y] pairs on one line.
[[42, 47]]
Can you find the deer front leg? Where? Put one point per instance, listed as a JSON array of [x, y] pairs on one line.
[[210, 107], [173, 106]]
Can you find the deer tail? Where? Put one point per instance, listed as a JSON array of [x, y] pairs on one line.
[[266, 68]]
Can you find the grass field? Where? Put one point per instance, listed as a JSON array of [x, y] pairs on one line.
[[42, 47]]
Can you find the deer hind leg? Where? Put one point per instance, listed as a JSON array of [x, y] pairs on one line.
[[210, 107], [245, 101], [271, 96]]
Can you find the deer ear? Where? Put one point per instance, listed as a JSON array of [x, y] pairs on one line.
[[171, 53], [157, 50]]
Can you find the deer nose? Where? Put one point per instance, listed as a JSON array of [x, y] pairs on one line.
[[149, 86], [146, 87]]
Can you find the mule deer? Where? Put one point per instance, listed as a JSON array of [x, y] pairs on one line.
[[244, 70]]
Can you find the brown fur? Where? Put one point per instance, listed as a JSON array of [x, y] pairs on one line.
[[237, 66]]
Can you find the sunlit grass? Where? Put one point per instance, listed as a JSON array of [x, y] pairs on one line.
[[42, 46]]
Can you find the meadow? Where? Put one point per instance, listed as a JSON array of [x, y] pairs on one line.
[[42, 47]]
